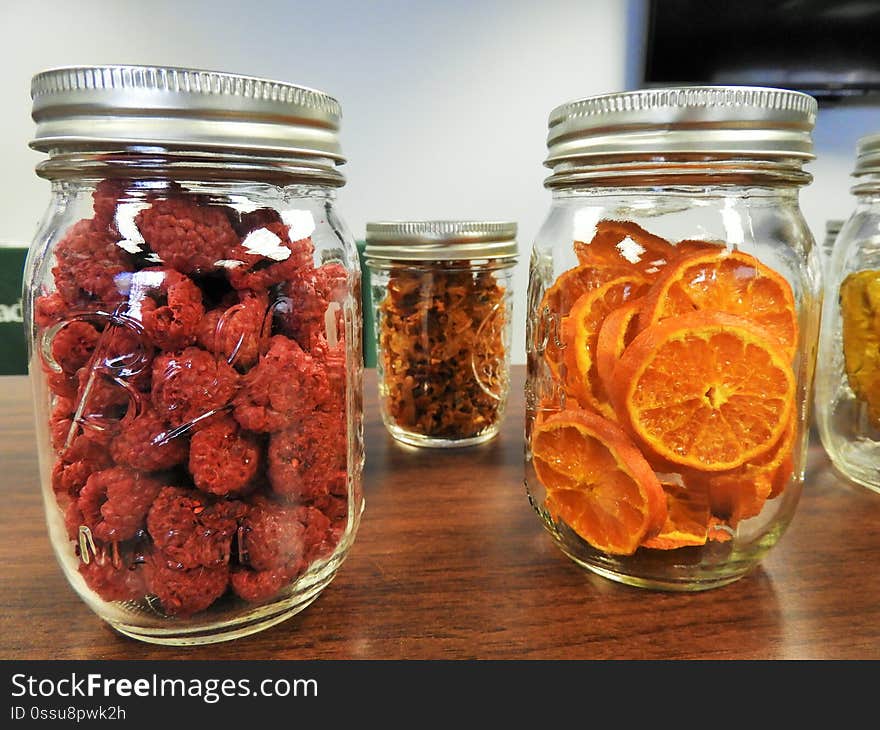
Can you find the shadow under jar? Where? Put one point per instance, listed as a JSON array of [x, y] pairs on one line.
[[442, 323], [673, 311], [848, 373], [193, 308]]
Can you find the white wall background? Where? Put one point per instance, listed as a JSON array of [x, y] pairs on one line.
[[445, 103]]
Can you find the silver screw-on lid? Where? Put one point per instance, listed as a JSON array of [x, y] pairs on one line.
[[96, 107], [725, 121], [440, 240], [867, 155]]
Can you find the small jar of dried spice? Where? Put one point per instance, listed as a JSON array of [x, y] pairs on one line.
[[848, 370], [674, 294], [192, 301], [443, 320]]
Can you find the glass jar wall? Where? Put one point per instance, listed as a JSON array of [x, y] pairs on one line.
[[193, 305], [443, 321], [674, 295], [848, 374]]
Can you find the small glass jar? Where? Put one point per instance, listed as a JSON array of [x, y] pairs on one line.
[[192, 300], [673, 311], [443, 303], [848, 373], [832, 228]]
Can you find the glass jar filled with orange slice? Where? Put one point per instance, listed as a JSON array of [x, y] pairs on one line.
[[674, 296], [848, 373]]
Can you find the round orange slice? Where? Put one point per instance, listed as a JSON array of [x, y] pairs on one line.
[[580, 333], [725, 281], [597, 482], [626, 244], [706, 390], [557, 302], [617, 331]]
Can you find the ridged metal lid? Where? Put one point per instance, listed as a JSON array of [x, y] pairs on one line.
[[727, 121], [867, 155], [94, 107], [440, 240]]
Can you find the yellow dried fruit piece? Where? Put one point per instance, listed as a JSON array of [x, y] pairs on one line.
[[860, 314]]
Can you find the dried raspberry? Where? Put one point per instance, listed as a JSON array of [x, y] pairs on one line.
[[61, 421], [102, 395], [171, 308], [285, 386], [302, 309], [222, 458], [191, 529], [51, 308], [114, 578], [187, 237], [73, 345], [256, 263], [308, 460], [334, 507], [90, 266], [80, 443], [234, 332], [145, 443], [73, 518], [115, 501], [124, 353], [105, 198], [319, 537], [191, 384], [261, 585], [68, 479], [183, 591], [333, 360], [272, 536]]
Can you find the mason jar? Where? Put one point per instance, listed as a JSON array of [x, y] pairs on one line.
[[673, 310], [443, 304], [192, 306], [848, 373]]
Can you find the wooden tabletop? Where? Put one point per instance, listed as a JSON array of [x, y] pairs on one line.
[[450, 562]]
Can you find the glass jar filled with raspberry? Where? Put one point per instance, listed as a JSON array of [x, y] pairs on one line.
[[192, 300], [674, 294]]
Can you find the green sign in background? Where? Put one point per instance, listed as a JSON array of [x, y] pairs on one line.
[[369, 337], [13, 351]]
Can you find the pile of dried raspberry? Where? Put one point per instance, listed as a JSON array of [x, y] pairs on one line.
[[196, 367]]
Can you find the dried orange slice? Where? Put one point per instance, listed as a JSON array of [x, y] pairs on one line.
[[706, 390], [740, 494], [626, 244], [617, 331], [687, 518], [860, 317], [557, 302], [725, 281], [580, 333], [597, 482]]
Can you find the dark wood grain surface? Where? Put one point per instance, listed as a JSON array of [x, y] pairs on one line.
[[450, 562]]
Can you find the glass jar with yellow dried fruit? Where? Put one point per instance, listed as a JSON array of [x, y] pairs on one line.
[[673, 303], [443, 302], [848, 373]]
